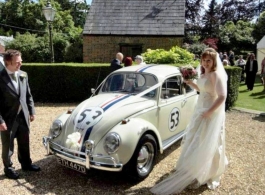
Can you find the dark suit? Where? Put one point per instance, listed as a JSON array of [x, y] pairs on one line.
[[17, 123], [251, 75], [115, 64]]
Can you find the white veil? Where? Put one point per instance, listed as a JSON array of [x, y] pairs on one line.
[[202, 158]]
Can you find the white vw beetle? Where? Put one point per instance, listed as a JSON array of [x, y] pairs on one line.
[[136, 112]]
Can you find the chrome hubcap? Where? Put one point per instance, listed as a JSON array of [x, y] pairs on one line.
[[145, 158]]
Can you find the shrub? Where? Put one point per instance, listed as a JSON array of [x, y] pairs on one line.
[[173, 56], [196, 48]]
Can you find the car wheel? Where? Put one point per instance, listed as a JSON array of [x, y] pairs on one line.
[[143, 159]]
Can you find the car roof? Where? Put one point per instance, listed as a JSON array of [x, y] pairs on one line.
[[159, 70]]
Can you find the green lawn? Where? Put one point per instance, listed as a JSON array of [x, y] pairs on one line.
[[254, 100]]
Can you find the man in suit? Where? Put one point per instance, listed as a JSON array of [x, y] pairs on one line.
[[16, 112], [116, 63], [251, 71]]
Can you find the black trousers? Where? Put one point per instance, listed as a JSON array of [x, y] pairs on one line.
[[20, 131], [250, 79]]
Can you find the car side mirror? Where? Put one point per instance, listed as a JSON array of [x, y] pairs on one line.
[[93, 90]]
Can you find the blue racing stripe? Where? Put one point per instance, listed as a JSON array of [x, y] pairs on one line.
[[144, 68], [108, 106], [88, 132]]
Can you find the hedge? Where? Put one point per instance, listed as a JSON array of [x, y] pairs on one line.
[[68, 83]]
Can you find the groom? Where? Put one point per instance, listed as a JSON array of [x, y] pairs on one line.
[[16, 112]]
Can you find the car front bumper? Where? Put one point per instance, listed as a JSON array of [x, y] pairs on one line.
[[81, 158]]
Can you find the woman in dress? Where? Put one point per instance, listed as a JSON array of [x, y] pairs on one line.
[[202, 160], [263, 72]]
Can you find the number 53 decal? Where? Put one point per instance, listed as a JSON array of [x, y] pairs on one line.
[[88, 118], [173, 119]]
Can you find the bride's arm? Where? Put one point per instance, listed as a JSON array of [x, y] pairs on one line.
[[193, 85]]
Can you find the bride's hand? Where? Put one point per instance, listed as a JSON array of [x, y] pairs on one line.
[[189, 81], [206, 114]]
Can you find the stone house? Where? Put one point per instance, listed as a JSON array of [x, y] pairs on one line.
[[131, 27]]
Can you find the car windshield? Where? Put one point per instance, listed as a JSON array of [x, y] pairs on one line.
[[132, 83]]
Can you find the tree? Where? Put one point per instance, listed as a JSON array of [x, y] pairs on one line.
[[25, 18], [231, 36], [22, 16], [193, 18], [211, 20], [78, 10], [259, 30], [235, 10]]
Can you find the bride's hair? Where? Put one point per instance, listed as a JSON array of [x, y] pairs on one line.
[[213, 54]]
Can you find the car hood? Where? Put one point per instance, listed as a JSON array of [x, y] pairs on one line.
[[94, 117]]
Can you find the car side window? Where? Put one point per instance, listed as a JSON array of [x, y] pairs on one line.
[[187, 88], [171, 87]]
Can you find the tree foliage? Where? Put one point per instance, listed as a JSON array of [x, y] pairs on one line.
[[211, 20], [173, 56], [259, 28], [232, 35], [78, 10], [24, 20], [236, 10]]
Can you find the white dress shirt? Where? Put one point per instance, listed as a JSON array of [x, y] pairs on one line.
[[251, 65], [14, 82]]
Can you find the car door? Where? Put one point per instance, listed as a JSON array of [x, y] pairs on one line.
[[172, 108]]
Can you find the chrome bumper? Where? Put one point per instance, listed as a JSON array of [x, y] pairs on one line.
[[74, 156]]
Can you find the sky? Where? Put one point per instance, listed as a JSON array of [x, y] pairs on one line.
[[88, 2]]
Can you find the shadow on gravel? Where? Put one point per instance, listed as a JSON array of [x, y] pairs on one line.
[[56, 179], [260, 117]]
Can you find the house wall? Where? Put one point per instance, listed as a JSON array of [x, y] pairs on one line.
[[102, 49]]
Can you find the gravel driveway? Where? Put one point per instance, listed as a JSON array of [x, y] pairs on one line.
[[245, 138]]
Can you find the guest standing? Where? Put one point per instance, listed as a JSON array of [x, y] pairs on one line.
[[116, 63], [231, 58], [16, 113], [251, 71], [127, 61], [263, 72], [241, 63], [139, 60]]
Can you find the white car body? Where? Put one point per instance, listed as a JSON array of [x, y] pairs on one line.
[[2, 64], [135, 112]]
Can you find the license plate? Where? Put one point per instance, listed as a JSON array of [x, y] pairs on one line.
[[72, 165]]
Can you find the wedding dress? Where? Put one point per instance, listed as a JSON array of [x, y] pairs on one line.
[[202, 160]]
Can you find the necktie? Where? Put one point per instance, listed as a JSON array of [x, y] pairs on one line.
[[13, 77]]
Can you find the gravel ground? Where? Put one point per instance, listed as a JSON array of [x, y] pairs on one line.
[[245, 143]]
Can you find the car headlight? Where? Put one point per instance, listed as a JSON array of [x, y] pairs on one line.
[[112, 143], [56, 128]]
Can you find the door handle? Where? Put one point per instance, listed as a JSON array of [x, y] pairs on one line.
[[183, 102]]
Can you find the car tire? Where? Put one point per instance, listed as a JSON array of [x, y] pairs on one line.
[[143, 159]]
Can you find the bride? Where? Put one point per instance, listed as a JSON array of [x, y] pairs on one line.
[[202, 160]]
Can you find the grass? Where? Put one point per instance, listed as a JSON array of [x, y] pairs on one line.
[[255, 99]]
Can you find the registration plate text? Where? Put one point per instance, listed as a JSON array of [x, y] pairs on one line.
[[71, 165]]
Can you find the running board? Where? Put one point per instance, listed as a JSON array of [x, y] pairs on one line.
[[168, 142]]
